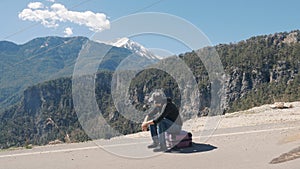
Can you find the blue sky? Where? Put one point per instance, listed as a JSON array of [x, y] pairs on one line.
[[222, 21]]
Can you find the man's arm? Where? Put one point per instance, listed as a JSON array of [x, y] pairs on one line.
[[146, 118], [145, 124], [161, 116], [148, 122]]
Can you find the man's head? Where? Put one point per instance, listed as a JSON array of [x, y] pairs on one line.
[[157, 97]]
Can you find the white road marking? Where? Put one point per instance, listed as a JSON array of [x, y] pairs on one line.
[[126, 144], [50, 151], [250, 132]]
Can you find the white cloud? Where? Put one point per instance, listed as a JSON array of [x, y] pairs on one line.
[[35, 5], [50, 17], [68, 32]]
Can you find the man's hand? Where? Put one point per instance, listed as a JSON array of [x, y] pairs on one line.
[[144, 126]]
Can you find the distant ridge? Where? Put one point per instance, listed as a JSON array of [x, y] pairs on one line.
[[47, 58]]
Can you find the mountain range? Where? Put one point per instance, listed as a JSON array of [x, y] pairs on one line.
[[260, 70], [134, 47], [49, 58]]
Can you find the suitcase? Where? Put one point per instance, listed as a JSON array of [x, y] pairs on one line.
[[181, 140]]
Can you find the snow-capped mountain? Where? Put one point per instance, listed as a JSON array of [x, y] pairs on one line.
[[135, 48]]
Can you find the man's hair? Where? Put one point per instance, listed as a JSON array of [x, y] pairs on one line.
[[157, 97]]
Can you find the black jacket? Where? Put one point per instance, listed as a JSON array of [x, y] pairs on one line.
[[169, 111]]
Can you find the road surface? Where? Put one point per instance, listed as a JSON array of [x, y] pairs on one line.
[[251, 147]]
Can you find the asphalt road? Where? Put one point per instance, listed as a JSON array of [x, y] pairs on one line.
[[232, 148]]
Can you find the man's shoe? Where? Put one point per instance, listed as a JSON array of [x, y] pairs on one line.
[[173, 149], [160, 149], [153, 145]]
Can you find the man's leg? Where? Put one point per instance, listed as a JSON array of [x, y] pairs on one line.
[[154, 136], [162, 127]]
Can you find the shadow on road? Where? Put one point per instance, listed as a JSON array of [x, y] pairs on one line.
[[292, 155], [195, 148]]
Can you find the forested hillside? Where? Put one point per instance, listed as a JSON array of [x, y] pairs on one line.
[[260, 70]]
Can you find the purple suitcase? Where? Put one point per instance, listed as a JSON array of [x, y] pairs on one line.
[[181, 140]]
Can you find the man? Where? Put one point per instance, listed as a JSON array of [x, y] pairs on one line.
[[157, 99], [169, 120], [152, 127]]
